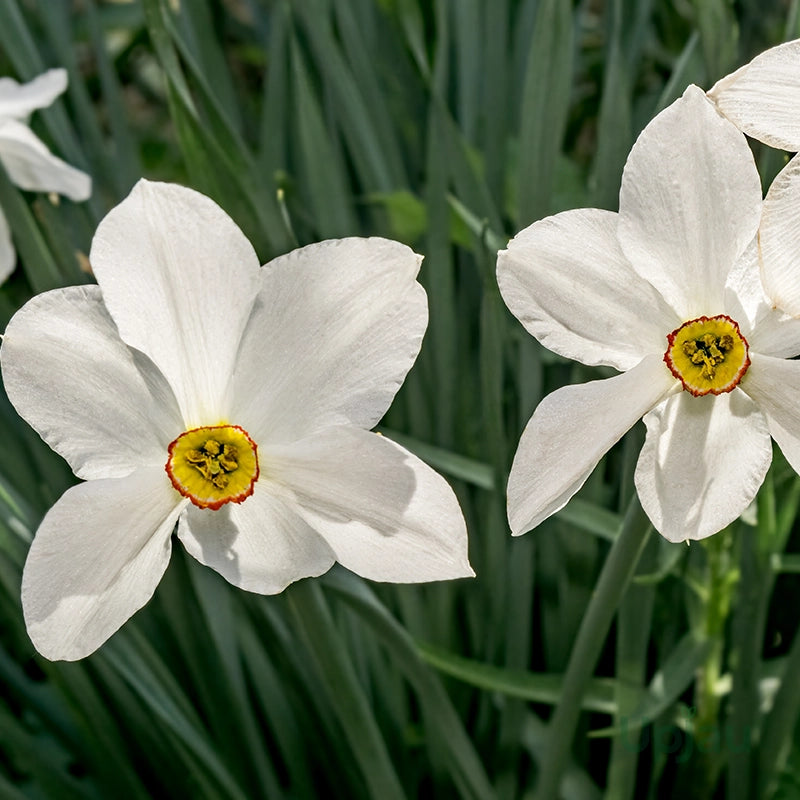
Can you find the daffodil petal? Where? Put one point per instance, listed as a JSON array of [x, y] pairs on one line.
[[179, 279], [767, 329], [260, 545], [336, 328], [8, 255], [702, 463], [103, 407], [690, 203], [18, 100], [762, 97], [570, 431], [96, 559], [779, 239], [32, 167], [385, 514], [568, 282], [774, 384]]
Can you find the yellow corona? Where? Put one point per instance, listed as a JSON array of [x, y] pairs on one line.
[[214, 465], [708, 355]]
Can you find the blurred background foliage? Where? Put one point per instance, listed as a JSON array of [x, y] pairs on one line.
[[449, 125]]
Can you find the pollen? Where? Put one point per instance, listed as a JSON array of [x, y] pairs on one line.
[[213, 465], [708, 355]]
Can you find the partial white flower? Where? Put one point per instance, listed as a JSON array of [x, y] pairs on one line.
[[779, 239], [762, 98], [28, 162], [667, 291], [194, 386]]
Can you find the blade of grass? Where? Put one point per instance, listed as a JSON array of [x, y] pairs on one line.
[[367, 130], [41, 267], [545, 103], [534, 687], [127, 165], [719, 36], [134, 659], [634, 624], [313, 621], [440, 717], [328, 197], [20, 46]]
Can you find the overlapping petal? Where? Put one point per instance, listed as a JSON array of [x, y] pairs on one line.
[[336, 327], [8, 255], [18, 100], [570, 431], [774, 384], [568, 282], [96, 559], [384, 513], [104, 408], [179, 279], [767, 329], [690, 203], [32, 167], [763, 96], [779, 239], [702, 463], [262, 545]]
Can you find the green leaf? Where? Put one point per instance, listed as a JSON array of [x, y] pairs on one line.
[[530, 686]]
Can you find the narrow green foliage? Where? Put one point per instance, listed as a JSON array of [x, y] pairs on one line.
[[563, 668], [545, 102]]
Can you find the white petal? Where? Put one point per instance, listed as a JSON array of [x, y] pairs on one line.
[[261, 545], [32, 167], [179, 279], [568, 282], [8, 255], [103, 407], [690, 204], [336, 327], [767, 329], [570, 431], [96, 560], [762, 98], [779, 239], [19, 100], [774, 384], [702, 463], [385, 514]]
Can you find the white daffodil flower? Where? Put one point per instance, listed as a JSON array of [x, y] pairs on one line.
[[667, 291], [194, 386], [762, 98], [28, 162]]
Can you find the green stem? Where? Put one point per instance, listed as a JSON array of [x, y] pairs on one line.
[[722, 578], [747, 637], [777, 734], [614, 579]]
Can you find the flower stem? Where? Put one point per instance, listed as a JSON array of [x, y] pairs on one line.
[[611, 585], [722, 578]]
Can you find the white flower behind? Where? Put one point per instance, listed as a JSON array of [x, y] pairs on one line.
[[762, 98], [779, 239], [667, 291], [28, 162], [194, 386]]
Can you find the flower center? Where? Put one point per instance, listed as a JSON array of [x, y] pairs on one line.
[[708, 355], [213, 465]]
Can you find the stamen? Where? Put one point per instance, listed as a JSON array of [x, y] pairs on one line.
[[213, 465], [708, 355]]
